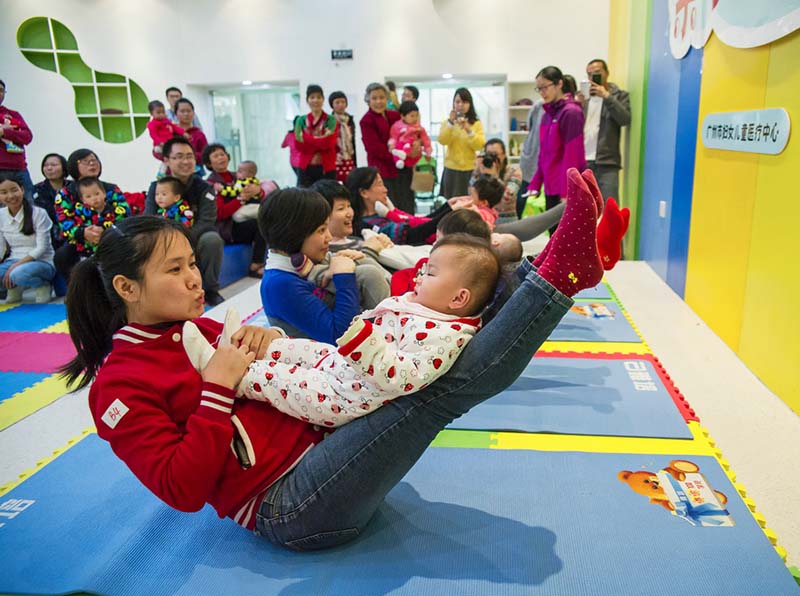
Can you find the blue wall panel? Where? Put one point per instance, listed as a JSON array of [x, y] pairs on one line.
[[661, 130], [683, 180]]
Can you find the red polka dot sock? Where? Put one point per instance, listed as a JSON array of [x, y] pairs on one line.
[[591, 182], [572, 263], [610, 230]]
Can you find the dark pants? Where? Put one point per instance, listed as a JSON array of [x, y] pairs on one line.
[[65, 258], [246, 232], [522, 200], [400, 192], [311, 174], [455, 183], [209, 250], [551, 201], [607, 179]]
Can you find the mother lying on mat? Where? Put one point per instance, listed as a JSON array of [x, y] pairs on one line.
[[190, 442]]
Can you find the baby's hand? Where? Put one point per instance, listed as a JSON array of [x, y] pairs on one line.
[[255, 339], [350, 254], [227, 365]]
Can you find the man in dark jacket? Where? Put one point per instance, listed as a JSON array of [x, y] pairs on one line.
[[607, 109], [179, 157]]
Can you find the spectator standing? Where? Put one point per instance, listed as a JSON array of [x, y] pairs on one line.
[[346, 141], [462, 135], [173, 95], [14, 135]]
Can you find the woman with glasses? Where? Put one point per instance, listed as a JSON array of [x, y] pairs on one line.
[[560, 138], [81, 163]]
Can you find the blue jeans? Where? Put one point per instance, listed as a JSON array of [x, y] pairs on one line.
[[330, 496], [29, 275]]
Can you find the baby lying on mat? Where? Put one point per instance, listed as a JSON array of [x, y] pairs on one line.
[[397, 348]]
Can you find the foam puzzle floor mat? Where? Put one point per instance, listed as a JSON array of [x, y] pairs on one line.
[[31, 317], [462, 521], [610, 394], [602, 321], [601, 291]]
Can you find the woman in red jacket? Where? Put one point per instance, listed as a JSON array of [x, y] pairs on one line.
[[375, 127], [316, 134], [230, 198]]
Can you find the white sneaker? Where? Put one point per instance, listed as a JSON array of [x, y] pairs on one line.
[[13, 295], [197, 347], [43, 294]]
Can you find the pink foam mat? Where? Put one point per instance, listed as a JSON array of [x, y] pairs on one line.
[[34, 352]]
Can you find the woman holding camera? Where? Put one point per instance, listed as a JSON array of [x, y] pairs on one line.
[[462, 136], [494, 162]]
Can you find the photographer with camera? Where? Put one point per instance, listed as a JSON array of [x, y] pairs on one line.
[[462, 135], [607, 109], [493, 162]]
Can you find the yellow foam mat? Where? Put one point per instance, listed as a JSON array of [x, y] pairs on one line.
[[9, 306], [593, 347], [26, 402], [5, 488], [61, 327]]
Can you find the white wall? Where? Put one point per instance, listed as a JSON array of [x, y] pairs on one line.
[[208, 42]]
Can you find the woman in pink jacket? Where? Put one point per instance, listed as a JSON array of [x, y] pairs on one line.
[[560, 138]]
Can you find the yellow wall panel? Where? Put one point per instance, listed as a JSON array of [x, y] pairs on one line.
[[770, 338], [724, 192]]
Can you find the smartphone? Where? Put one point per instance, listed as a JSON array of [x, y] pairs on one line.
[[597, 78], [459, 114]]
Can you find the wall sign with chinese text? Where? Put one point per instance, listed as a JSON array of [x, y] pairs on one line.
[[753, 131]]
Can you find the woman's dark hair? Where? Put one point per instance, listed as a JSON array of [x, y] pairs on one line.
[[358, 180], [209, 149], [290, 215], [414, 91], [464, 221], [407, 107], [183, 100], [391, 85], [569, 86], [27, 207], [75, 157], [94, 309], [331, 190], [552, 74], [336, 95], [153, 105], [61, 158], [311, 89], [465, 95], [498, 141]]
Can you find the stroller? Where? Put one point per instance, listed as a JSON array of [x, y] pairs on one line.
[[424, 184]]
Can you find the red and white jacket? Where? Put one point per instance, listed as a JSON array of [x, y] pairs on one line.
[[176, 432]]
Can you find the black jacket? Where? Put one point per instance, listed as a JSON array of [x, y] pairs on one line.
[[615, 114]]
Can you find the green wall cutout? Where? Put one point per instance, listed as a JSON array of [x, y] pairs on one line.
[[109, 106]]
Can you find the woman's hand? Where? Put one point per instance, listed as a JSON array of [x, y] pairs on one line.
[[255, 339], [378, 242], [7, 283], [92, 234], [227, 365], [342, 264], [351, 254], [452, 117]]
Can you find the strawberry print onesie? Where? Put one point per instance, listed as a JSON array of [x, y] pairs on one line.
[[395, 349]]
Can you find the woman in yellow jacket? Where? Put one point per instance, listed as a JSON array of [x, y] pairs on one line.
[[462, 135]]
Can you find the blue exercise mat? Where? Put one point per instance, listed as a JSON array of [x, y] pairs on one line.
[[595, 321], [32, 317], [463, 521], [586, 396], [599, 292], [14, 382]]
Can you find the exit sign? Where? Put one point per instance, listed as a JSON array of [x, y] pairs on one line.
[[341, 54]]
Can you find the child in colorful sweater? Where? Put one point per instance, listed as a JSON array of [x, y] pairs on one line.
[[170, 201], [399, 347], [404, 133]]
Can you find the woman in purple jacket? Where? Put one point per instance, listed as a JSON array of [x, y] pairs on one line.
[[560, 138]]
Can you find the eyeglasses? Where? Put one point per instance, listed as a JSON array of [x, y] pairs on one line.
[[89, 161], [543, 87], [182, 156]]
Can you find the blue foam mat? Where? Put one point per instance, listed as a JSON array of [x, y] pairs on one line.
[[463, 521], [577, 327], [14, 382], [32, 317], [599, 292], [585, 396]]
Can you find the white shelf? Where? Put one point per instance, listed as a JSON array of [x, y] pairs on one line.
[[519, 107]]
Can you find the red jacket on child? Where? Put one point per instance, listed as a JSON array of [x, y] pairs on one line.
[[175, 432]]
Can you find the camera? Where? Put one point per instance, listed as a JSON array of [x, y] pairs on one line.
[[488, 159]]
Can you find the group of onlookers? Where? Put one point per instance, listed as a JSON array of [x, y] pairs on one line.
[[66, 213]]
